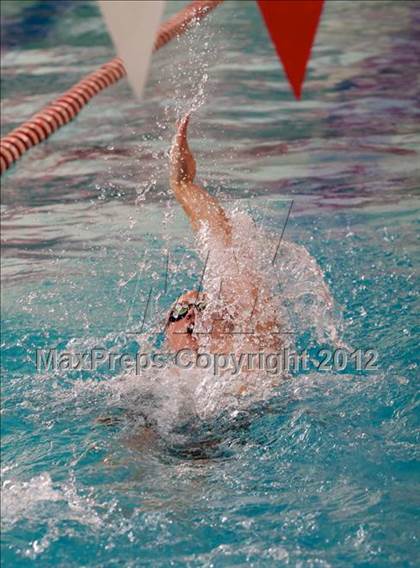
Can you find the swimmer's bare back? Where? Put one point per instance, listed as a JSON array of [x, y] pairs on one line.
[[243, 288]]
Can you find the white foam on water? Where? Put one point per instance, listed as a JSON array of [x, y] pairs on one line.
[[32, 500], [299, 295], [171, 396]]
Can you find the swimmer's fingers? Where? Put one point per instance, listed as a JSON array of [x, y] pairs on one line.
[[184, 120], [181, 135]]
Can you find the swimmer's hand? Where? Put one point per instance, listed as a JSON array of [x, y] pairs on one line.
[[181, 159]]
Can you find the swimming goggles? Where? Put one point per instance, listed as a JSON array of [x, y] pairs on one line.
[[180, 310]]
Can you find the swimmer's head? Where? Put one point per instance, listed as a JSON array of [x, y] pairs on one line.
[[182, 319]]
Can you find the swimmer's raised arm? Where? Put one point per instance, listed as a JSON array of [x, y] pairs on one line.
[[242, 286], [196, 202]]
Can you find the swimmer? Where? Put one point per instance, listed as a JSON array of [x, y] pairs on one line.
[[239, 317], [199, 319]]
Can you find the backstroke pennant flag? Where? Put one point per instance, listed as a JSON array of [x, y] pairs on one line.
[[292, 26], [133, 26]]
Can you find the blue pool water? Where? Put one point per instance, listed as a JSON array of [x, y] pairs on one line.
[[324, 470]]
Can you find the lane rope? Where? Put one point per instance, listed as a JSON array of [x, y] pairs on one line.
[[63, 109]]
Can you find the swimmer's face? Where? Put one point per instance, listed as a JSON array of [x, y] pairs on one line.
[[182, 320]]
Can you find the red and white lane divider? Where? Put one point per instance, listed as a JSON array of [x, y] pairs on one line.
[[63, 109]]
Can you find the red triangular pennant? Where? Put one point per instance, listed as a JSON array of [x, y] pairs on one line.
[[292, 25]]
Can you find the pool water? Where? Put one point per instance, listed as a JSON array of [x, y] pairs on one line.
[[324, 470]]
